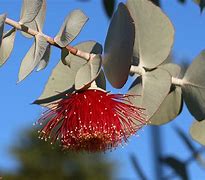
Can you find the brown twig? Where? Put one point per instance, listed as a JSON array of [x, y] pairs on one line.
[[49, 39]]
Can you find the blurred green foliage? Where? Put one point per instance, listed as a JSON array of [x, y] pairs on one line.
[[43, 161]]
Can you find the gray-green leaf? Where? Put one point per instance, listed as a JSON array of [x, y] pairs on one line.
[[2, 21], [7, 45], [155, 86], [72, 61], [88, 73], [33, 57], [101, 81], [154, 33], [197, 131], [169, 109], [71, 28], [63, 76], [172, 68], [194, 87], [45, 59], [30, 10], [60, 82], [119, 47], [172, 104], [38, 22]]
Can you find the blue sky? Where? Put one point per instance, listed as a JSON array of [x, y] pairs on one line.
[[16, 113]]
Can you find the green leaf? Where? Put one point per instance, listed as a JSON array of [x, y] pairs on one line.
[[7, 45], [154, 33], [88, 73], [2, 21], [197, 131], [38, 21], [63, 76], [172, 104], [119, 47], [194, 87], [33, 57], [109, 6], [153, 88], [30, 10], [201, 4], [177, 165], [71, 28]]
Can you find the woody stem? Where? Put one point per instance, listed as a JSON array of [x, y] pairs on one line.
[[49, 39], [140, 71]]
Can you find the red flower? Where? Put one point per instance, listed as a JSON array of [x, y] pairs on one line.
[[92, 120]]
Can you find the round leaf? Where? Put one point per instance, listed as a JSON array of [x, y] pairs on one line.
[[169, 109], [154, 33], [2, 21], [30, 10], [7, 45], [33, 57], [196, 71], [71, 28], [45, 59], [38, 21], [173, 69], [88, 73], [155, 86], [101, 81], [194, 87], [119, 47], [59, 83], [173, 102], [75, 61], [63, 76], [197, 132]]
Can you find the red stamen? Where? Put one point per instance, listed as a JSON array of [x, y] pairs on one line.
[[92, 120]]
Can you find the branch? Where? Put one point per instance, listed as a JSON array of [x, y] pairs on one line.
[[140, 71], [50, 40]]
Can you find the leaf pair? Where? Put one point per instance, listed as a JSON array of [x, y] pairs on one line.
[[194, 87], [194, 95], [77, 74], [172, 104], [156, 96], [71, 27], [138, 30], [33, 15], [38, 55]]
